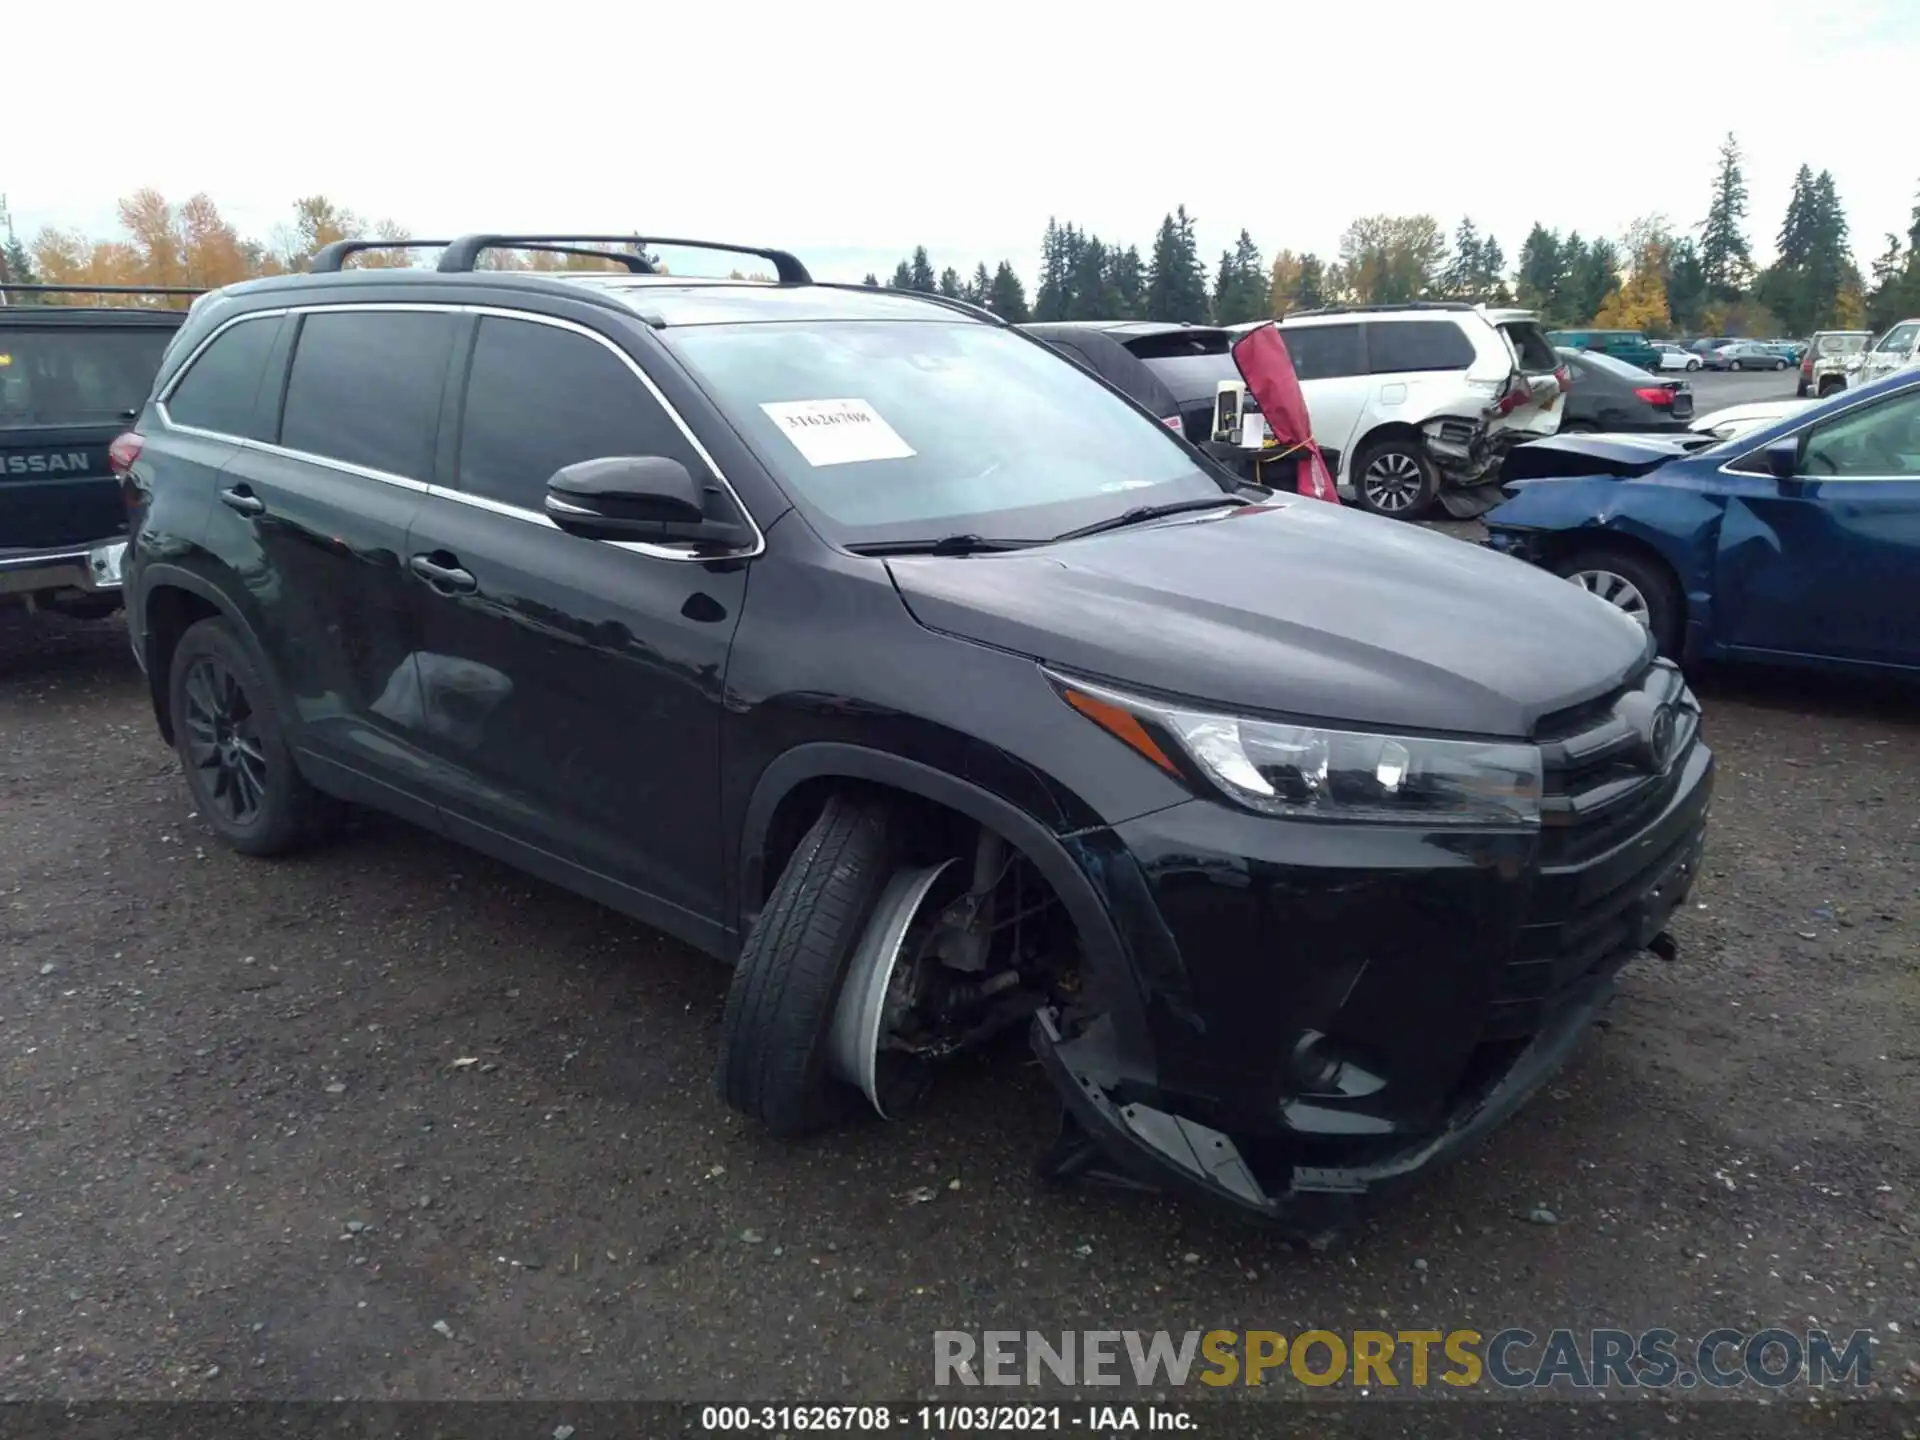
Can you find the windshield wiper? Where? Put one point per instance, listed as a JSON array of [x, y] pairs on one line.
[[1142, 513], [945, 545]]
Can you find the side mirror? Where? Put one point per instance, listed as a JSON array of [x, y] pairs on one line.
[[1783, 461], [635, 497]]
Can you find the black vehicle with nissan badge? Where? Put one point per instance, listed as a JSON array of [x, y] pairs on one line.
[[874, 647]]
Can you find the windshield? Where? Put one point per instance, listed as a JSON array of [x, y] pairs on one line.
[[914, 430]]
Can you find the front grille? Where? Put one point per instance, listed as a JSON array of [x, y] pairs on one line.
[[1602, 777], [1605, 785]]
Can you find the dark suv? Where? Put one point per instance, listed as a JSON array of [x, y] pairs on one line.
[[862, 641]]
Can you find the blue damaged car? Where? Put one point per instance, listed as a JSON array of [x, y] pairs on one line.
[[1794, 543]]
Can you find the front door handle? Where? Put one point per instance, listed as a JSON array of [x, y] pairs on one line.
[[449, 579], [243, 500]]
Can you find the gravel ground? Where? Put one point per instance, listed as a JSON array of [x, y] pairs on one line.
[[389, 1120]]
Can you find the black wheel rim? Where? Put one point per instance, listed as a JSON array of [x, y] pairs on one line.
[[223, 742]]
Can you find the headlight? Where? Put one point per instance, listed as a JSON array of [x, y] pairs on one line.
[[1308, 772]]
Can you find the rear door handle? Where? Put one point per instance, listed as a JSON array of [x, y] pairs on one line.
[[449, 579], [243, 500]]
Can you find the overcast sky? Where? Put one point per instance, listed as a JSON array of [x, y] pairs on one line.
[[851, 132]]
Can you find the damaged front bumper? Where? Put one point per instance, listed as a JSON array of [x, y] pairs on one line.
[[1431, 1005]]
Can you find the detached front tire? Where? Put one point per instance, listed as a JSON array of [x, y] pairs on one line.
[[1637, 585], [238, 768], [775, 1035], [1395, 478]]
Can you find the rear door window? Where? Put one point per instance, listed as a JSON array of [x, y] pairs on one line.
[[365, 388], [1396, 347], [77, 374], [540, 398], [1325, 352], [219, 390]]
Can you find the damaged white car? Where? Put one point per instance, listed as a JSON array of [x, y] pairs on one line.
[[1418, 404]]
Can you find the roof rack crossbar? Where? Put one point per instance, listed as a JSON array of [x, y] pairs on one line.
[[101, 290], [464, 253], [329, 258]]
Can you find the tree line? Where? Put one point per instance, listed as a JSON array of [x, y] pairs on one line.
[[1658, 277]]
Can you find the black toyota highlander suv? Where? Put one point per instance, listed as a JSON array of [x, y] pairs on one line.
[[866, 643]]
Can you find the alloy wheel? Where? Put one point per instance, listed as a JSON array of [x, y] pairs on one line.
[[1393, 482], [223, 741], [1616, 590]]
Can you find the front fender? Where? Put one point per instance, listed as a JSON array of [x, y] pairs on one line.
[[1548, 518]]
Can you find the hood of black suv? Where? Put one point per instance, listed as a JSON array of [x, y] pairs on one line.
[[1302, 609]]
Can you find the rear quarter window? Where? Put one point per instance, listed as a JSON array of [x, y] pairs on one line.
[[53, 375], [1399, 346], [1190, 363], [220, 389]]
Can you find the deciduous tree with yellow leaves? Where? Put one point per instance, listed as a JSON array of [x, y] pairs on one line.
[[1641, 303]]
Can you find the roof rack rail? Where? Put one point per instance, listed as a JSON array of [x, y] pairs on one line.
[[464, 253], [952, 302], [329, 258], [101, 289], [1382, 309]]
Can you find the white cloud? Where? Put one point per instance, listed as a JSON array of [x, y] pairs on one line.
[[852, 132]]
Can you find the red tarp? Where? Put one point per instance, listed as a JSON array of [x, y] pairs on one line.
[[1264, 364]]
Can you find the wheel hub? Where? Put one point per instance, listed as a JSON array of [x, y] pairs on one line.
[[1616, 590], [1393, 481]]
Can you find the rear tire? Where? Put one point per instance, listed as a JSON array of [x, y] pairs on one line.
[[1693, 364], [1638, 585], [774, 1036], [1779, 364], [1733, 365], [1394, 478], [238, 768]]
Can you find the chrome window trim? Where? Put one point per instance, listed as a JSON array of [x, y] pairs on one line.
[[1805, 424], [498, 507]]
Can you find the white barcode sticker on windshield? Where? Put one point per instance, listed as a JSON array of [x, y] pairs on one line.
[[835, 432]]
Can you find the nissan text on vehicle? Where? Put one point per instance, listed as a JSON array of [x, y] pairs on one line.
[[881, 651]]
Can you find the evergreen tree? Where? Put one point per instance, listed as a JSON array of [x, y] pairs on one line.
[[1594, 276], [872, 281], [1724, 253], [1885, 301], [1050, 300], [1542, 270], [981, 286], [1087, 294], [1126, 282], [950, 283], [902, 277], [1686, 287], [1310, 289], [1240, 289], [1176, 281], [920, 276], [1008, 297], [1460, 280]]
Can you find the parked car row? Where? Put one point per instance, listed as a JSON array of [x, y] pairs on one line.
[[1788, 533]]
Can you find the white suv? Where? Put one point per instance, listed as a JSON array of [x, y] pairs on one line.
[[1422, 402]]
